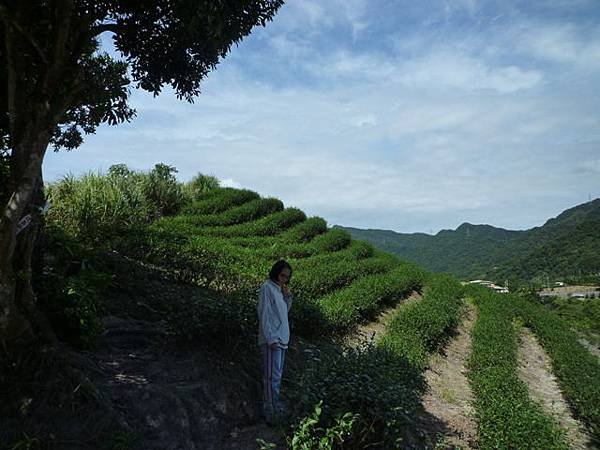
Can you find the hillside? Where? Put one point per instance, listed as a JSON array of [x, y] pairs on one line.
[[157, 320], [567, 245]]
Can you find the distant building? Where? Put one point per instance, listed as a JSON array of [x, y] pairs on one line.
[[491, 285]]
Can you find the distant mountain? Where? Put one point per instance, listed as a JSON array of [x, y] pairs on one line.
[[564, 246]]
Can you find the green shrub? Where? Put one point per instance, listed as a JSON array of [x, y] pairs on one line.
[[270, 225], [421, 327], [246, 212], [314, 281], [162, 190], [334, 239], [305, 231], [354, 251], [378, 388], [308, 435], [219, 200], [73, 306], [363, 298]]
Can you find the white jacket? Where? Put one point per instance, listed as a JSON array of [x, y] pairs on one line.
[[273, 308]]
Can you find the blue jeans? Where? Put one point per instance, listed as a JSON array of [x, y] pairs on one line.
[[272, 370]]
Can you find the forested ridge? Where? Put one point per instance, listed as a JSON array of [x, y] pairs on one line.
[[565, 246]]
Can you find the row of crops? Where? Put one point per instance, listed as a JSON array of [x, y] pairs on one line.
[[506, 416], [228, 241], [229, 238]]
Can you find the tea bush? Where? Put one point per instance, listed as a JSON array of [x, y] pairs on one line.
[[420, 327], [378, 388], [252, 210], [334, 239], [317, 280], [506, 416], [354, 251], [219, 200], [363, 298], [577, 370], [305, 231], [270, 225]]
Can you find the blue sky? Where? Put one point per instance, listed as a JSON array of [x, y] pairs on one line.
[[402, 115]]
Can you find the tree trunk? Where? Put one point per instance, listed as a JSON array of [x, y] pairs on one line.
[[18, 313], [34, 74]]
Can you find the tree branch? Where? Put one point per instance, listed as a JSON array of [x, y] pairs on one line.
[[101, 28], [11, 21]]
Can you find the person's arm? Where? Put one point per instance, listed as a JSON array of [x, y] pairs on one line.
[[265, 315], [287, 296]]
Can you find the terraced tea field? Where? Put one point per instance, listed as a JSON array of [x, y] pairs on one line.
[[227, 241]]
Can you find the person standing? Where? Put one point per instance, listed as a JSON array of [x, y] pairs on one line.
[[274, 303]]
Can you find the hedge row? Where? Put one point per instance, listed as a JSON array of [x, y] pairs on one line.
[[331, 241], [420, 327], [382, 384], [293, 240], [506, 416], [363, 298], [270, 225], [247, 212], [305, 231], [316, 281], [219, 200], [577, 370], [356, 250]]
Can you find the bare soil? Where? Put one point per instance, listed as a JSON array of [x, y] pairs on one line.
[[449, 397], [535, 370], [445, 419], [371, 331], [594, 350], [144, 389]]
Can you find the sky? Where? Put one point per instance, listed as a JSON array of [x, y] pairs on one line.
[[401, 115]]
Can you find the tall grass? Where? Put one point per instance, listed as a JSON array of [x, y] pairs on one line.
[[95, 207]]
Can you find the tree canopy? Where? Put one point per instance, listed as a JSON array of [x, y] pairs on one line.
[[56, 86]]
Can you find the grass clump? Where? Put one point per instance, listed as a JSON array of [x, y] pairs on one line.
[[97, 208]]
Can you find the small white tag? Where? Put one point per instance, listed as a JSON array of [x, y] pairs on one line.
[[23, 223]]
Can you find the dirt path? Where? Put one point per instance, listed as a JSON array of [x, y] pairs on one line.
[[591, 347], [371, 331], [535, 370], [170, 398], [166, 395], [449, 396]]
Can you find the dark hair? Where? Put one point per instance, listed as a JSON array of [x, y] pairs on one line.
[[277, 268]]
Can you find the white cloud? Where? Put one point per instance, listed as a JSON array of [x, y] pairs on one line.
[[432, 132], [564, 43], [230, 182]]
